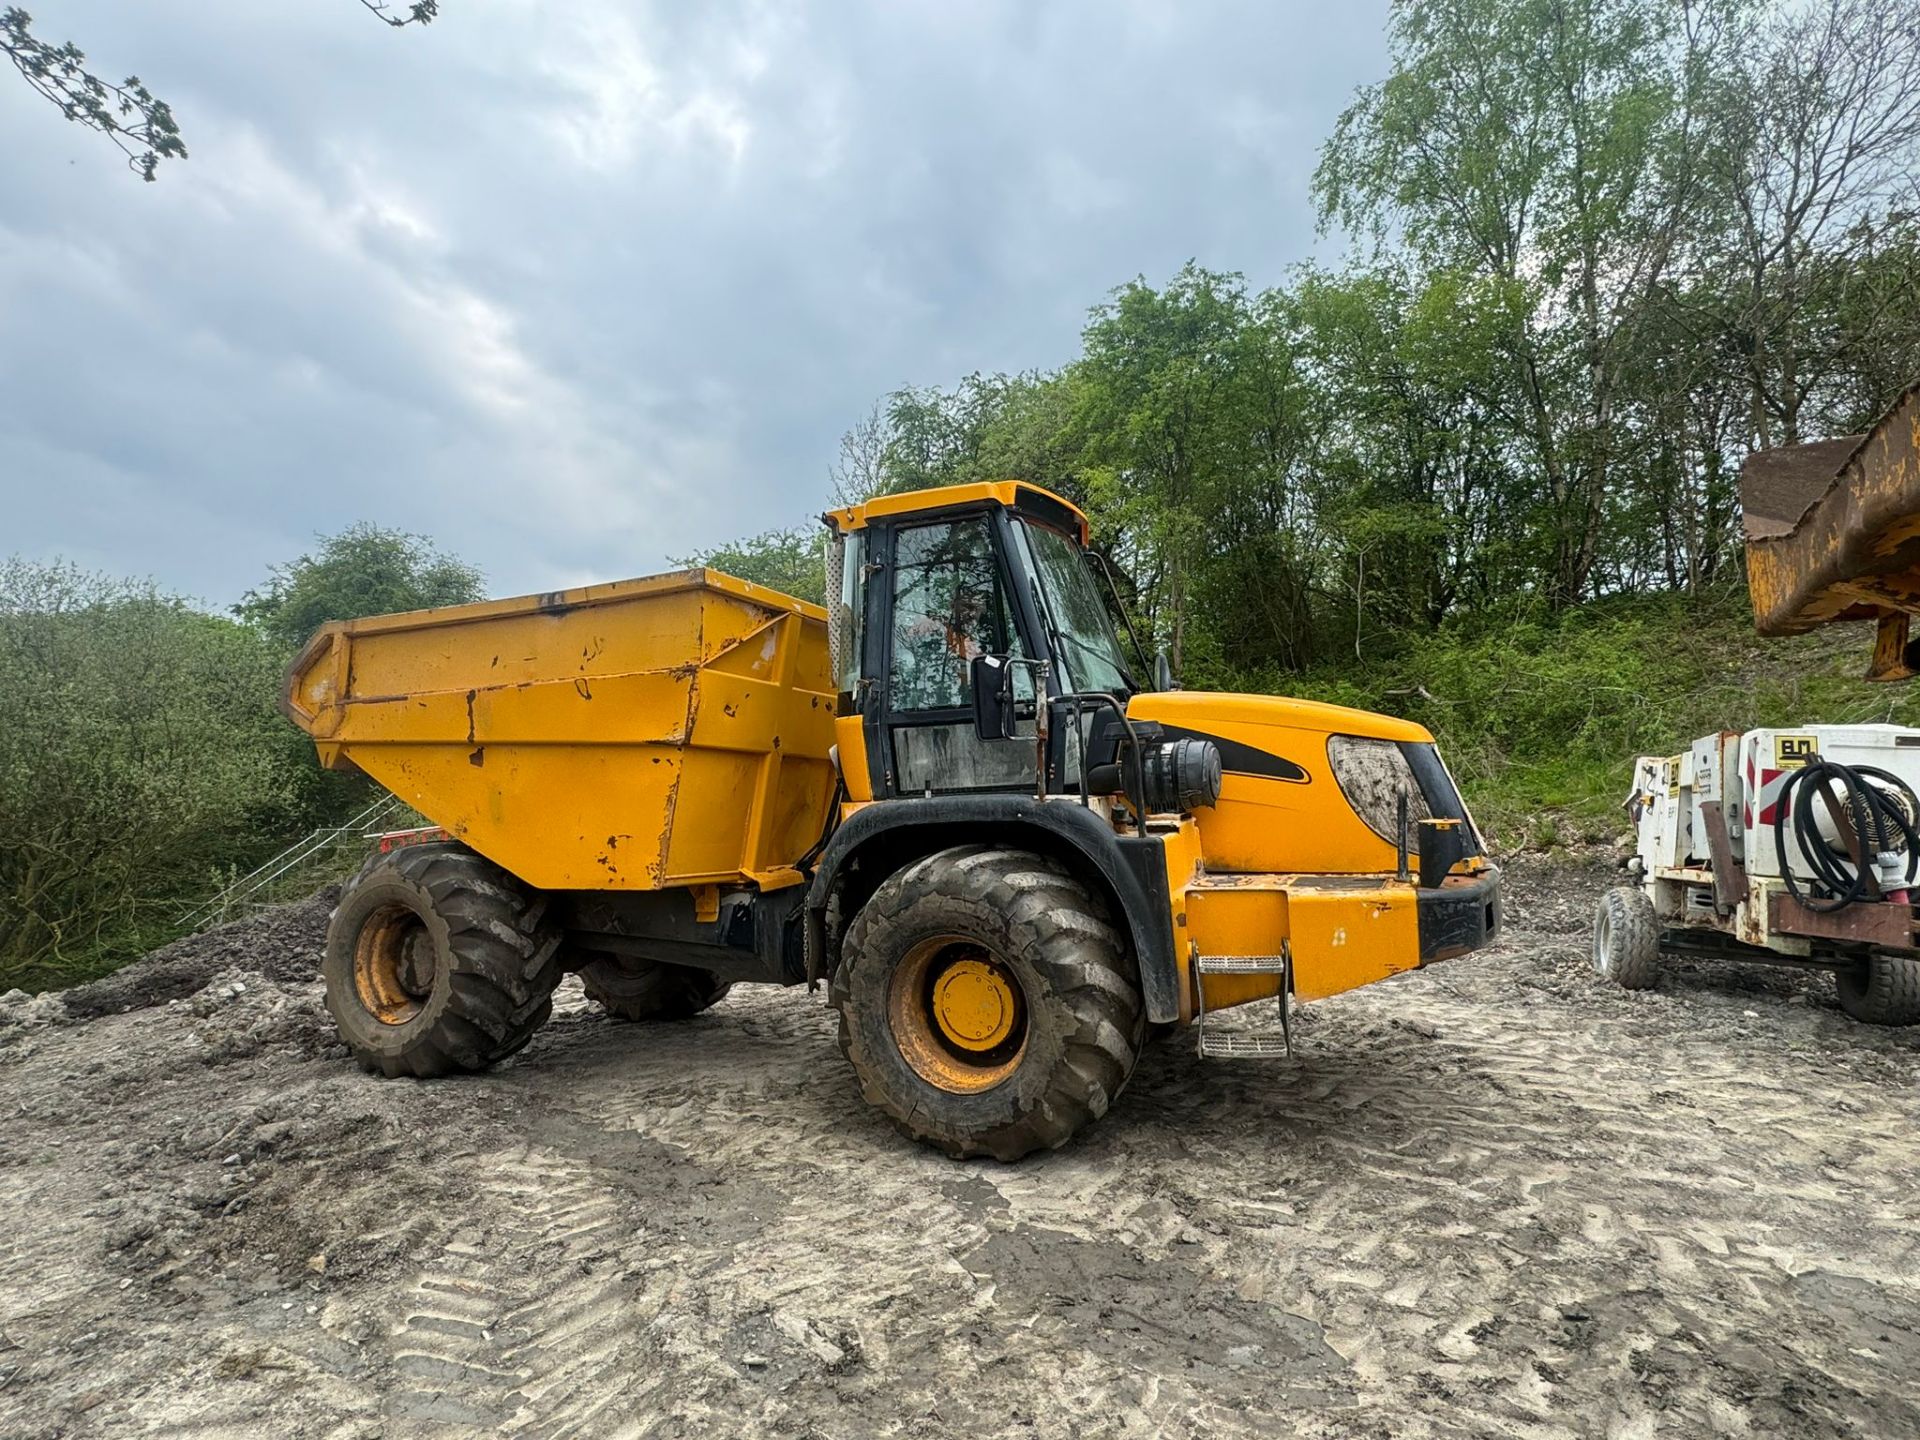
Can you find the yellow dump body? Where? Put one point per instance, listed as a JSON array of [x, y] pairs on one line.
[[650, 733]]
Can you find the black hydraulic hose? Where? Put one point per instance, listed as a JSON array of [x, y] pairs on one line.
[[805, 863], [1873, 807]]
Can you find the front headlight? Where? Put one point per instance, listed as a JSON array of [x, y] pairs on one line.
[[1373, 775]]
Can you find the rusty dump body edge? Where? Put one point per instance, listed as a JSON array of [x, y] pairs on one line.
[[1833, 527], [557, 733]]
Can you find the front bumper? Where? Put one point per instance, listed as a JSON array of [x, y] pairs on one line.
[[1462, 913]]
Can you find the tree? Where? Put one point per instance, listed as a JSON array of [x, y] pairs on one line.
[[860, 471], [792, 561], [988, 427], [1558, 145], [1819, 131], [1186, 403], [1414, 469], [419, 12], [363, 570]]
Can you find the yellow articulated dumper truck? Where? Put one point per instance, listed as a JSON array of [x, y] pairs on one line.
[[952, 795]]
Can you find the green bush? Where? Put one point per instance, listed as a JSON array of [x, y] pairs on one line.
[[140, 755], [143, 759]]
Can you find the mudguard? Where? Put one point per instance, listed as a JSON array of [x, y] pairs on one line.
[[1128, 871]]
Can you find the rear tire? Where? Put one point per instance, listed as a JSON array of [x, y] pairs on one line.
[[649, 990], [1881, 990], [1626, 939], [987, 1004], [438, 961]]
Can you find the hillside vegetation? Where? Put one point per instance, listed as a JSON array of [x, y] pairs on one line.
[[1485, 471], [1539, 718]]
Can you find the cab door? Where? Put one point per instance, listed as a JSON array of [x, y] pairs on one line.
[[943, 598]]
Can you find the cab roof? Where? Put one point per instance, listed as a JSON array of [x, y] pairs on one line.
[[1017, 495]]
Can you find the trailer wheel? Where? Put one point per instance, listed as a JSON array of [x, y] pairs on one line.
[[1881, 990], [634, 989], [1626, 938], [987, 1004], [437, 960]]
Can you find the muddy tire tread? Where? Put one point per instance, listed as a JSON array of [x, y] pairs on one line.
[[503, 964], [659, 993], [1079, 955], [1633, 933]]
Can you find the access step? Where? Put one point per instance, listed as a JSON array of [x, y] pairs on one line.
[[1241, 964], [1244, 1045], [1218, 1044]]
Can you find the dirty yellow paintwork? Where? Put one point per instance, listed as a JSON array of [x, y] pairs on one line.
[[1344, 930], [974, 1004], [649, 733], [1283, 861], [997, 492], [957, 1015]]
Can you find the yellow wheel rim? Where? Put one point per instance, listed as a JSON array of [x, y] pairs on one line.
[[958, 1016], [387, 965]]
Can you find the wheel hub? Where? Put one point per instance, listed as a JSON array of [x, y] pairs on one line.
[[973, 1004]]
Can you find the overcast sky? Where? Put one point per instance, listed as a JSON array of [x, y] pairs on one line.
[[574, 287]]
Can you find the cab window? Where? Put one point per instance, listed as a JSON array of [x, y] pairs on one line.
[[948, 607]]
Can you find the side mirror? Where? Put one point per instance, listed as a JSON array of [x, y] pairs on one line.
[[1162, 670], [992, 679]]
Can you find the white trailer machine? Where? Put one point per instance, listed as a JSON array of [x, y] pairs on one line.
[[1791, 847]]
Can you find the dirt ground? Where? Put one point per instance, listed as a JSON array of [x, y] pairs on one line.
[[1489, 1199]]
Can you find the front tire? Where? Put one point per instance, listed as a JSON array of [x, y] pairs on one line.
[[1881, 990], [438, 961], [1626, 939], [987, 1004]]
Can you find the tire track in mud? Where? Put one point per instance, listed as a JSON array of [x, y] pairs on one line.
[[1613, 1199], [1490, 1199], [517, 1330], [878, 1271], [802, 1258]]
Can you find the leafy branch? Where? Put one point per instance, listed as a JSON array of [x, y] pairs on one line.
[[127, 114], [420, 12]]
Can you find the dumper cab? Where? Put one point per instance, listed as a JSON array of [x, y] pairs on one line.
[[955, 795]]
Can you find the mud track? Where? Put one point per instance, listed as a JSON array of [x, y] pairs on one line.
[[1490, 1199]]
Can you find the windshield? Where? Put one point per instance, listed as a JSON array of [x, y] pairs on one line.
[[1090, 654]]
